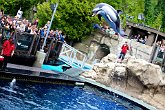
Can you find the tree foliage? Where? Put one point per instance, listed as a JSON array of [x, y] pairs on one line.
[[44, 13], [74, 16], [12, 6]]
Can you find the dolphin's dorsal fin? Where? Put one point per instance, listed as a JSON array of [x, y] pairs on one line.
[[119, 12]]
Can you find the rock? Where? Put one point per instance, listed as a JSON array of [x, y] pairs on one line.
[[102, 51], [109, 58], [100, 68], [89, 74], [149, 74], [103, 72], [127, 58], [120, 71]]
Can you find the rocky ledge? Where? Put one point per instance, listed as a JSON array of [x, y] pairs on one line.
[[135, 77]]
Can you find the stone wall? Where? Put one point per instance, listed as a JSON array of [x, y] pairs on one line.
[[91, 45], [139, 50]]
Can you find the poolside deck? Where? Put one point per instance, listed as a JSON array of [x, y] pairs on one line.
[[35, 73]]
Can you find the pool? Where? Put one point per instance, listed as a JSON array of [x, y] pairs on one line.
[[44, 96]]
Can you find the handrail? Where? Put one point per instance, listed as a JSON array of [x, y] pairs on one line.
[[71, 56]]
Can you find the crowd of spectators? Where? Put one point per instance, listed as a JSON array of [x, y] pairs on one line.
[[12, 24], [139, 38]]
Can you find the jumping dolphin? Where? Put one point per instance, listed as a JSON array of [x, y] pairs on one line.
[[110, 15]]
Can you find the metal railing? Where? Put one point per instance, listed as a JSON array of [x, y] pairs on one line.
[[72, 57]]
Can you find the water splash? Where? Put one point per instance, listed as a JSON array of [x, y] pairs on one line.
[[12, 83]]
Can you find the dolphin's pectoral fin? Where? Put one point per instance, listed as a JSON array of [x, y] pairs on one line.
[[99, 17]]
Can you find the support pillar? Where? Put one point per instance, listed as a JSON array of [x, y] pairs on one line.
[[40, 59], [128, 31], [150, 39]]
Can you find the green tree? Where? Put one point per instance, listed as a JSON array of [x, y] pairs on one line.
[[73, 17], [43, 13], [163, 15], [149, 11], [158, 21], [12, 6]]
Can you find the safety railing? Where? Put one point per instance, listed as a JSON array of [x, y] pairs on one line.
[[72, 57]]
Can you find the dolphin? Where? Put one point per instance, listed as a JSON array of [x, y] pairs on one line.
[[110, 15]]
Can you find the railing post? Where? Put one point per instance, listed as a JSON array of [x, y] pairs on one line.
[[153, 53], [54, 11], [48, 52], [31, 47]]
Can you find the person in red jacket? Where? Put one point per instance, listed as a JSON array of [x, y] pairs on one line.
[[7, 52], [124, 50]]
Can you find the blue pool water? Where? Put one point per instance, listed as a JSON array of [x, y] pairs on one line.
[[38, 96]]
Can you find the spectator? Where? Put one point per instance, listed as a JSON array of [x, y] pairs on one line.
[[60, 37], [56, 34], [141, 40], [138, 37], [161, 51], [33, 30], [159, 43], [28, 28], [7, 52], [145, 39], [36, 22], [22, 27], [97, 26], [51, 34], [42, 33], [47, 24], [2, 22]]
